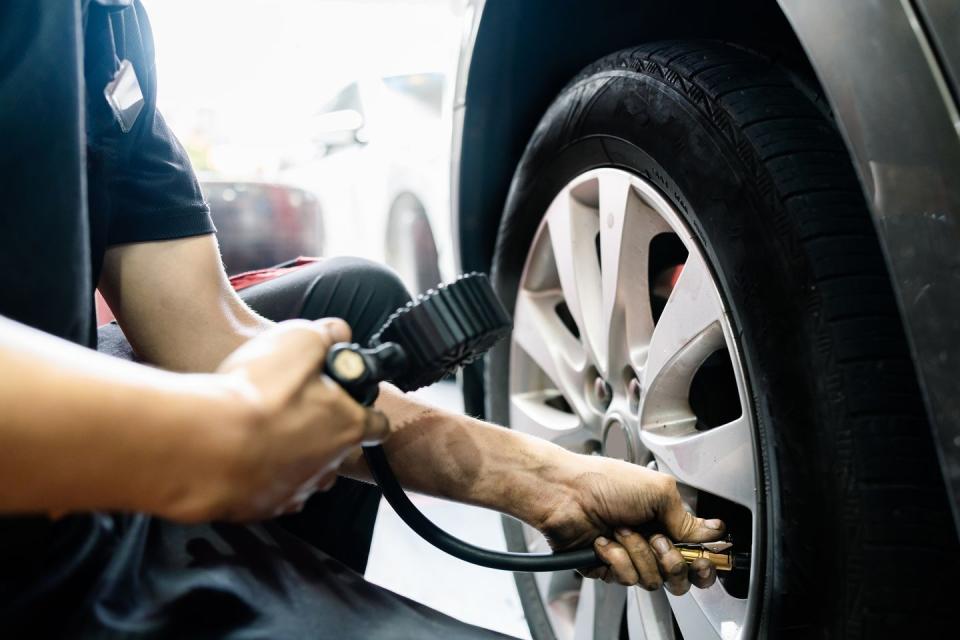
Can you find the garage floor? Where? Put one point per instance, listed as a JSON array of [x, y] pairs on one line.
[[402, 562]]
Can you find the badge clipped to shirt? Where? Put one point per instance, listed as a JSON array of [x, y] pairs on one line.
[[124, 96]]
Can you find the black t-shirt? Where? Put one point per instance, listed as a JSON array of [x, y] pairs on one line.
[[72, 184]]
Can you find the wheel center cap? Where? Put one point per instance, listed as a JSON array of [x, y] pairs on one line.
[[616, 441]]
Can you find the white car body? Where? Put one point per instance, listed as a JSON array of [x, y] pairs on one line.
[[377, 143]]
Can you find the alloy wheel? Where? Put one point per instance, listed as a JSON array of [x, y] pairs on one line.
[[622, 346]]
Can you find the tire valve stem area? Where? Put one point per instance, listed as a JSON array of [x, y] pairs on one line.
[[738, 520], [717, 553]]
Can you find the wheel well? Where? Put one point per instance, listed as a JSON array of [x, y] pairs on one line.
[[525, 52]]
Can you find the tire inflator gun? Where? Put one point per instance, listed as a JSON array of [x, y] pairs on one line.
[[419, 344]]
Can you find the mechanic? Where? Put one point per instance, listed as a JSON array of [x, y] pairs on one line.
[[144, 501]]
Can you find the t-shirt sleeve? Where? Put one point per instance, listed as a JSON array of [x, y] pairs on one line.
[[143, 178]]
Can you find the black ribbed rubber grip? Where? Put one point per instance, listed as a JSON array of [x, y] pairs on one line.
[[445, 328]]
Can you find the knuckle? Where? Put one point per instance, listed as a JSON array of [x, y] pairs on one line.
[[334, 329], [332, 323], [298, 328], [676, 567], [668, 484], [620, 558], [603, 550], [618, 553]]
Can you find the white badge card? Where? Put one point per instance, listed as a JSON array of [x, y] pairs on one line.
[[124, 96]]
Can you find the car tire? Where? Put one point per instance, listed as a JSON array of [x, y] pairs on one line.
[[857, 536]]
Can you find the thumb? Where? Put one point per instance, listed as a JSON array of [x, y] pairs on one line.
[[338, 330], [683, 526]]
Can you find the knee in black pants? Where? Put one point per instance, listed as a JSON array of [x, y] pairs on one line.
[[363, 293]]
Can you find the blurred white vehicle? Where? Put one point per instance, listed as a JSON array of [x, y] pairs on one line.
[[381, 174]]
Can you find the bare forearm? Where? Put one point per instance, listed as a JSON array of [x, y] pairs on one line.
[[83, 431], [432, 451], [460, 458], [175, 304]]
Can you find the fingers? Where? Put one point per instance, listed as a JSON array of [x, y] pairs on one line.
[[702, 573], [685, 527], [631, 560], [682, 525], [335, 328], [672, 566], [618, 562], [286, 355], [642, 557]]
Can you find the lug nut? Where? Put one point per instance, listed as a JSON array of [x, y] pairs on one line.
[[602, 391]]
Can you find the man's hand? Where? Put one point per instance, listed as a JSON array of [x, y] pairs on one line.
[[576, 501], [611, 499], [297, 426]]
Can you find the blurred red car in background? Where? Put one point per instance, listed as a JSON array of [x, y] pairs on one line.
[[262, 224], [259, 225]]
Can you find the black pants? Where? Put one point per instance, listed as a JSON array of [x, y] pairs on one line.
[[280, 579]]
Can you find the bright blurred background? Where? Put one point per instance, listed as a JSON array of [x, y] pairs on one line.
[[322, 127], [317, 126]]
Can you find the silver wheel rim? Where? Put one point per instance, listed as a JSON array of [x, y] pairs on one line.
[[554, 393]]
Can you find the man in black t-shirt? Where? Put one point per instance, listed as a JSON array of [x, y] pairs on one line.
[[123, 487]]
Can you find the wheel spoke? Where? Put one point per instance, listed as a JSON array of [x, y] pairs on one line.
[[599, 611], [573, 227], [530, 413], [648, 615], [540, 333], [719, 461], [709, 613], [561, 583], [627, 225], [689, 330]]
